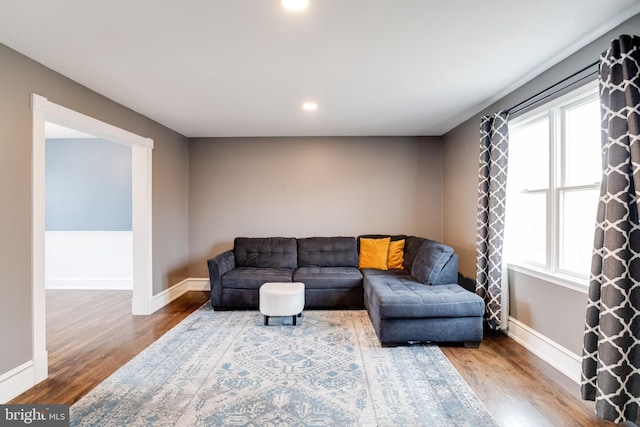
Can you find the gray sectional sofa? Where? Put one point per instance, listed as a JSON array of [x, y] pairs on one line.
[[420, 303]]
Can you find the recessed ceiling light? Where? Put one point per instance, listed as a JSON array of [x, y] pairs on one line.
[[295, 5], [310, 106]]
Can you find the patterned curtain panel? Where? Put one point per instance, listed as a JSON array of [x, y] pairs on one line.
[[611, 355], [492, 194]]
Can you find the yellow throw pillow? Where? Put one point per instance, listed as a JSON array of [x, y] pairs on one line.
[[395, 260], [374, 253]]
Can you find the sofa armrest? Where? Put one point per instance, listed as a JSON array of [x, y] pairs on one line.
[[218, 265], [449, 273]]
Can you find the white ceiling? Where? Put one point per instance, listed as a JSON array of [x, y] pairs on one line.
[[209, 68]]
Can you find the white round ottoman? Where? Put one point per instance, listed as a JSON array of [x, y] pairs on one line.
[[281, 299]]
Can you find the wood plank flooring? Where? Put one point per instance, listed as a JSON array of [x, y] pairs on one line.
[[90, 334], [519, 388]]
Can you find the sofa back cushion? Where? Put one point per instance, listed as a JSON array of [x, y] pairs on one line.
[[267, 252], [429, 262], [327, 252], [412, 246]]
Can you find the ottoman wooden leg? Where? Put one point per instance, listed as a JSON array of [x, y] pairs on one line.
[[266, 320], [295, 319]]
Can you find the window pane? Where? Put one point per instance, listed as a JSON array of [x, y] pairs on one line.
[[583, 153], [529, 157], [526, 231], [578, 219]]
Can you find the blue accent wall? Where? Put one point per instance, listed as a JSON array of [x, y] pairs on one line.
[[87, 185]]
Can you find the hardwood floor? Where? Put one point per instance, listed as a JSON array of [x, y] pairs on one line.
[[90, 334], [519, 388]]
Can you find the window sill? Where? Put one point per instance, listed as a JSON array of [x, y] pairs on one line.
[[565, 281]]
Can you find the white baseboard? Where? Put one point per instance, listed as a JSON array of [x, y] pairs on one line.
[[22, 378], [40, 366], [565, 361], [89, 283], [16, 381], [199, 285], [165, 297]]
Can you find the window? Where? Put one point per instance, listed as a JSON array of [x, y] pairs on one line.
[[554, 184]]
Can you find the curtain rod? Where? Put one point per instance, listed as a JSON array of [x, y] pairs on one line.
[[515, 109]]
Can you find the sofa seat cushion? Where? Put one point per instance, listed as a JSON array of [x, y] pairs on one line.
[[401, 296], [253, 278], [329, 277]]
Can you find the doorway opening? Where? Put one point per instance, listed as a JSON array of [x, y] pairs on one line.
[[88, 233], [46, 111]]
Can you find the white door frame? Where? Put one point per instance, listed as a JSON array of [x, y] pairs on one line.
[[44, 110]]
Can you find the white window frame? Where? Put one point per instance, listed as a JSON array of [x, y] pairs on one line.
[[553, 111]]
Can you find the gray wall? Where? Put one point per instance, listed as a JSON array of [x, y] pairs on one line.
[[304, 187], [87, 185], [19, 77], [555, 312]]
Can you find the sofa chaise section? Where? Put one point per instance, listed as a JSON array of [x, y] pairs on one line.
[[402, 310], [423, 301]]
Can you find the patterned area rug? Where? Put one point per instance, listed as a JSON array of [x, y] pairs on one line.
[[227, 369]]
